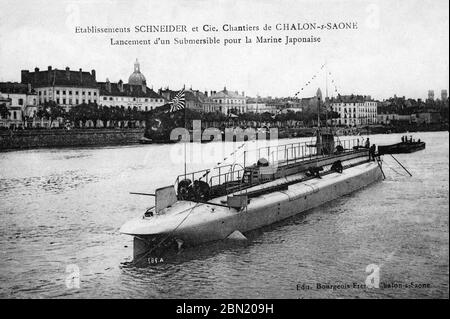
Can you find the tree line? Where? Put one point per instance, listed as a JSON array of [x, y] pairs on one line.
[[84, 112], [90, 111], [405, 106]]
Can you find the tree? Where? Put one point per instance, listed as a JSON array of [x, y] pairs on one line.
[[4, 112], [81, 112], [52, 111], [57, 111], [105, 115], [266, 117], [43, 113]]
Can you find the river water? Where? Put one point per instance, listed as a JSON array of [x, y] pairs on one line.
[[61, 210]]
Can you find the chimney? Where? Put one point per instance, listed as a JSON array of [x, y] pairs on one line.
[[81, 75], [67, 73], [243, 93], [93, 74], [206, 93], [24, 76], [49, 68], [35, 75], [120, 85], [108, 85]]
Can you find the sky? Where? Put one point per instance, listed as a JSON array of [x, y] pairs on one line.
[[400, 47]]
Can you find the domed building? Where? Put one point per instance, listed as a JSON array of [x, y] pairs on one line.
[[133, 94], [137, 78]]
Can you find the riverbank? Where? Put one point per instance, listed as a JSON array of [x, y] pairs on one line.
[[43, 138], [29, 139], [403, 128]]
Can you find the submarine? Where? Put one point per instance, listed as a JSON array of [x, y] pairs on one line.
[[228, 201]]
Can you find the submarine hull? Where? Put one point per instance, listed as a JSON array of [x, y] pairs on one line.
[[196, 223]]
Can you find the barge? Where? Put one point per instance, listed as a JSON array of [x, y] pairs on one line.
[[407, 145]]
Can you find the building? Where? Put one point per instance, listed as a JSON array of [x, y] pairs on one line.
[[354, 110], [258, 106], [194, 99], [126, 95], [277, 105], [406, 118], [426, 118], [14, 114], [22, 97], [387, 118], [5, 114], [133, 94], [229, 101], [444, 95], [199, 101], [309, 104], [64, 87], [4, 100], [430, 94], [167, 94], [293, 106]]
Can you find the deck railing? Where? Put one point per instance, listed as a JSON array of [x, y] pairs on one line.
[[276, 155], [294, 152]]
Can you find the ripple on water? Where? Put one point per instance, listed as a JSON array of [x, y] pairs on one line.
[[64, 207]]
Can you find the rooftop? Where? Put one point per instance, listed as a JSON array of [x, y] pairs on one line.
[[228, 94], [15, 88], [122, 89], [352, 99], [55, 77], [196, 95]]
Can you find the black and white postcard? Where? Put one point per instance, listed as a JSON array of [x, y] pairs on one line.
[[224, 149]]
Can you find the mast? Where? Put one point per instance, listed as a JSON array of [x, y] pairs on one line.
[[319, 137], [326, 94], [189, 136], [318, 112], [326, 80], [319, 98]]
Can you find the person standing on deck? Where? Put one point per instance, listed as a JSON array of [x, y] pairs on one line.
[[367, 145], [372, 150]]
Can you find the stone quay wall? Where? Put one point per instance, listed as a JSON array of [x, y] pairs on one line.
[[26, 139]]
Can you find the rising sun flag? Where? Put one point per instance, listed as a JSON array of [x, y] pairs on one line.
[[178, 102]]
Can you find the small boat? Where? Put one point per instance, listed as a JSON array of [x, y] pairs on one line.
[[405, 146]]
